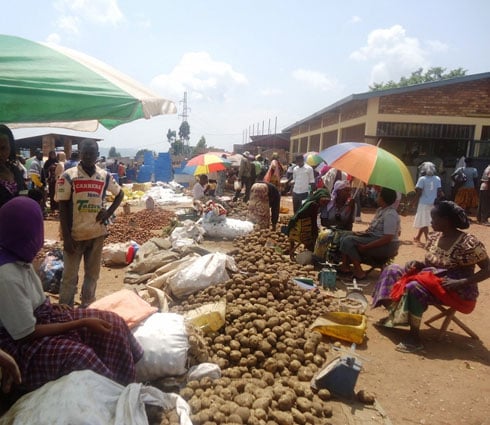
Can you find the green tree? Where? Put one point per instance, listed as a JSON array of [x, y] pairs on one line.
[[177, 147], [113, 153], [171, 135], [184, 131], [200, 147], [418, 77]]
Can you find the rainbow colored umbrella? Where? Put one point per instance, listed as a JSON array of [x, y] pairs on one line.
[[313, 159], [204, 164], [371, 164]]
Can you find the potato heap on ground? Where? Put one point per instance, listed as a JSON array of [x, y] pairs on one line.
[[139, 226], [266, 352]]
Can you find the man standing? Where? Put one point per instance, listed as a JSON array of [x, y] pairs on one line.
[[304, 182], [80, 192], [245, 177], [483, 211]]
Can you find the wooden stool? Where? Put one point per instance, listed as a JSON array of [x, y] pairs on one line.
[[449, 315]]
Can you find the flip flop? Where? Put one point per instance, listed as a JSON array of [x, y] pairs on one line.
[[405, 347]]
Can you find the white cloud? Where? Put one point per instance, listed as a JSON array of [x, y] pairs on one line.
[[53, 38], [69, 24], [270, 92], [395, 54], [437, 46], [355, 19], [201, 76], [100, 12], [314, 79]]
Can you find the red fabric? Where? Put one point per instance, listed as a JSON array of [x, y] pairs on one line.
[[433, 284]]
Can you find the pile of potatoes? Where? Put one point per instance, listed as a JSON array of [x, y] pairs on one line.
[[266, 352]]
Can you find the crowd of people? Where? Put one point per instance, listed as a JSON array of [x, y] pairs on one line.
[[41, 341]]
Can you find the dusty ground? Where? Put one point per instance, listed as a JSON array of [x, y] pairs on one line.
[[446, 384]]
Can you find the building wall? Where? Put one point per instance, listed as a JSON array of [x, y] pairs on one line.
[[464, 99], [462, 104]]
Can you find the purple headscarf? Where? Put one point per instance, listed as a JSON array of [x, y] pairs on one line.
[[21, 230]]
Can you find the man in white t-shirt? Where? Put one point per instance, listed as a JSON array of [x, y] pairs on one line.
[[200, 188], [304, 182], [80, 192]]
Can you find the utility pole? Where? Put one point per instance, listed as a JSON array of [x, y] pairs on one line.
[[185, 113]]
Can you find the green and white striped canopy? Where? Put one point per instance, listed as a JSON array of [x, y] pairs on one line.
[[46, 85]]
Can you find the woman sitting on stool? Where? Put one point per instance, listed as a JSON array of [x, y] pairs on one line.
[[447, 276]]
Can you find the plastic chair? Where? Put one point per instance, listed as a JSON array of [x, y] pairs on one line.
[[449, 315]]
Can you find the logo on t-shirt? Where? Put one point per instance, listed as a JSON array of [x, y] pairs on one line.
[[80, 186]]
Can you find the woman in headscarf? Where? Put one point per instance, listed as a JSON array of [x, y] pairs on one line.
[[336, 217], [303, 226], [427, 190], [11, 178], [264, 203], [447, 275], [274, 172], [49, 341], [380, 239]]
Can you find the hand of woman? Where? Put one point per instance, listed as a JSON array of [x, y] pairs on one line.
[[413, 267], [10, 371], [97, 326], [450, 284]]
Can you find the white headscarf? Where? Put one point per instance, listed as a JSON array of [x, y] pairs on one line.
[[427, 168], [339, 185]]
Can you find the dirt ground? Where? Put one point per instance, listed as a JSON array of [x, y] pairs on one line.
[[447, 383]]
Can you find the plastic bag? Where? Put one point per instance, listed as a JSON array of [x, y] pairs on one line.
[[127, 304], [84, 397], [196, 373], [164, 339], [204, 271], [114, 254], [51, 271], [229, 228]]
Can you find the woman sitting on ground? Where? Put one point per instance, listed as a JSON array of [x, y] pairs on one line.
[[447, 276], [379, 240], [336, 217], [303, 226], [49, 340]]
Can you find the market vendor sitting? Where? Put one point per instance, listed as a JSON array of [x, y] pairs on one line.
[[303, 226], [336, 217], [48, 340], [379, 240], [200, 189]]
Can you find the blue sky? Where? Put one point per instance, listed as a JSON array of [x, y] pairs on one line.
[[243, 63]]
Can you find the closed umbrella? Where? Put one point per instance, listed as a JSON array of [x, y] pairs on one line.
[[46, 85], [371, 164]]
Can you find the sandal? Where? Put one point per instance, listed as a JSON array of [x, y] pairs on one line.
[[405, 347]]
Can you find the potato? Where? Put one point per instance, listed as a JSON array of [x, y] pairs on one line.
[[262, 403], [303, 404], [365, 397], [298, 417]]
